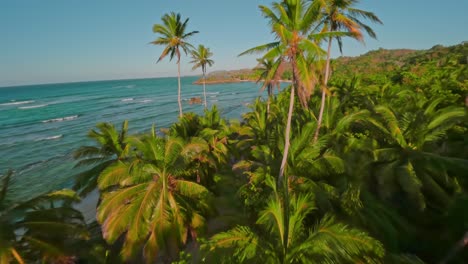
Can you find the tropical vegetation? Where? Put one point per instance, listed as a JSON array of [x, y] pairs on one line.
[[383, 182]]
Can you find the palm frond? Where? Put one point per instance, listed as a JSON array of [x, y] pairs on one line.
[[5, 180], [260, 49], [243, 242], [353, 244]]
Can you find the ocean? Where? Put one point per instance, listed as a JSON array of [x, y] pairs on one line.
[[41, 125]]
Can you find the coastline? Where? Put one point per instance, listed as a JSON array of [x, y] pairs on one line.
[[209, 82], [39, 150], [221, 81]]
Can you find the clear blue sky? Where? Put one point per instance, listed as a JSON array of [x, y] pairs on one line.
[[63, 40]]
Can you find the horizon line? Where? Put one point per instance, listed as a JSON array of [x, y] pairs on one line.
[[188, 75], [88, 81]]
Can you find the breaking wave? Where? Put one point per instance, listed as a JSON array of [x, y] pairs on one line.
[[50, 138], [17, 103], [32, 106], [67, 118]]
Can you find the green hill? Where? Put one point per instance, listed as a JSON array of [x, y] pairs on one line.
[[418, 68], [402, 65]]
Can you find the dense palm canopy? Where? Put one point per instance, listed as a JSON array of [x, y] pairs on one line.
[[385, 181], [173, 36], [406, 159], [283, 239], [200, 59]]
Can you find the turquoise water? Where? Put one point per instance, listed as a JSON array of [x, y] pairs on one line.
[[41, 125]]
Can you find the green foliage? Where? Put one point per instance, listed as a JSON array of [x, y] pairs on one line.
[[201, 58], [44, 228], [173, 35], [440, 72], [284, 239], [384, 182], [111, 146], [147, 201]]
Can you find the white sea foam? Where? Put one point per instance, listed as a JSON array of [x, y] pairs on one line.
[[32, 106], [18, 103], [124, 86], [50, 138], [127, 100], [146, 101], [67, 118]]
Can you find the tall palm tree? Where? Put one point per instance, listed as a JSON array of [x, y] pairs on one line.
[[173, 37], [148, 204], [284, 239], [340, 15], [291, 21], [201, 58]]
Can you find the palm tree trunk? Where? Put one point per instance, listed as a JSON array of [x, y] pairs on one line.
[[204, 89], [178, 94], [282, 182], [324, 94], [286, 137], [268, 100], [456, 249], [17, 256], [285, 158]]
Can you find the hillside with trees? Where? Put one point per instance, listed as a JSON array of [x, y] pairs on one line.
[[382, 66]]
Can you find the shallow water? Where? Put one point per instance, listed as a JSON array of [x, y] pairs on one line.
[[41, 125]]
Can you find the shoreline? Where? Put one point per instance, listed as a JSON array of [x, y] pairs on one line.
[[208, 82], [199, 82]]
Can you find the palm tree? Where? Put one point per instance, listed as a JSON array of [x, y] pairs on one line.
[[407, 159], [201, 58], [278, 238], [147, 202], [207, 149], [291, 21], [173, 37], [340, 15], [43, 228], [265, 69], [112, 145]]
